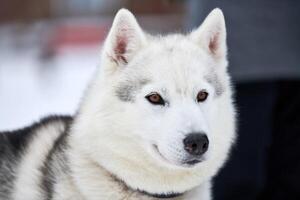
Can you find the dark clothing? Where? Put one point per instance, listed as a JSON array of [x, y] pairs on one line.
[[263, 36], [265, 162], [283, 170]]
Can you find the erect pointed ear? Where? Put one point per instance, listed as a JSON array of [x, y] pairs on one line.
[[125, 38], [211, 35]]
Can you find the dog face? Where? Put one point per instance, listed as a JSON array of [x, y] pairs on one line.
[[164, 104], [169, 94]]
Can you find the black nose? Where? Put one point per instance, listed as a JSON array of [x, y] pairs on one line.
[[196, 144]]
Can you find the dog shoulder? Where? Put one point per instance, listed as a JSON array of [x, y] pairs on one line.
[[17, 140], [14, 146]]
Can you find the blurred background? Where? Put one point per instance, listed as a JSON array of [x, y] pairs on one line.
[[49, 50]]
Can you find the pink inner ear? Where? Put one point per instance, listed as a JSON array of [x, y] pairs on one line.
[[213, 43], [120, 48]]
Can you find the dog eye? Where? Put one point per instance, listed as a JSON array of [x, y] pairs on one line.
[[202, 96], [155, 99]]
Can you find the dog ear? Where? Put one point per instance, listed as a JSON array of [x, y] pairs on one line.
[[211, 35], [125, 38]]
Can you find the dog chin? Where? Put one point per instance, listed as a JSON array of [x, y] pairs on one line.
[[187, 163]]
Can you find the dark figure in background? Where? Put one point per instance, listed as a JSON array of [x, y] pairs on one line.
[[264, 58]]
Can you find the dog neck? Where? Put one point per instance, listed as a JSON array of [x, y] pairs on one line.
[[166, 195], [107, 181]]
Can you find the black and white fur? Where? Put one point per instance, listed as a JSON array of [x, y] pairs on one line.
[[121, 146]]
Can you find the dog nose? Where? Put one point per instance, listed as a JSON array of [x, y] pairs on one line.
[[196, 144]]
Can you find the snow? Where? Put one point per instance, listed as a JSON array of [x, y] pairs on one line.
[[32, 87]]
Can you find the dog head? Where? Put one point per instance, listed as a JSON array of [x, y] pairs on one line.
[[159, 115]]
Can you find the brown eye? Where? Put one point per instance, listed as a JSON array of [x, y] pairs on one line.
[[155, 99], [202, 96]]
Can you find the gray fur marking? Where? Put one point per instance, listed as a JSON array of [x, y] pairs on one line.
[[13, 144], [56, 164], [7, 174], [213, 79], [127, 90]]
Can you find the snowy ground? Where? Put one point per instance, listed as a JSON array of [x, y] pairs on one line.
[[32, 87]]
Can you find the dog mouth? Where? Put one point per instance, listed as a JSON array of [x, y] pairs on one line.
[[184, 163], [192, 162], [156, 150]]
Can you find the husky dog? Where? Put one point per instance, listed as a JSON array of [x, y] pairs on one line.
[[157, 122]]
